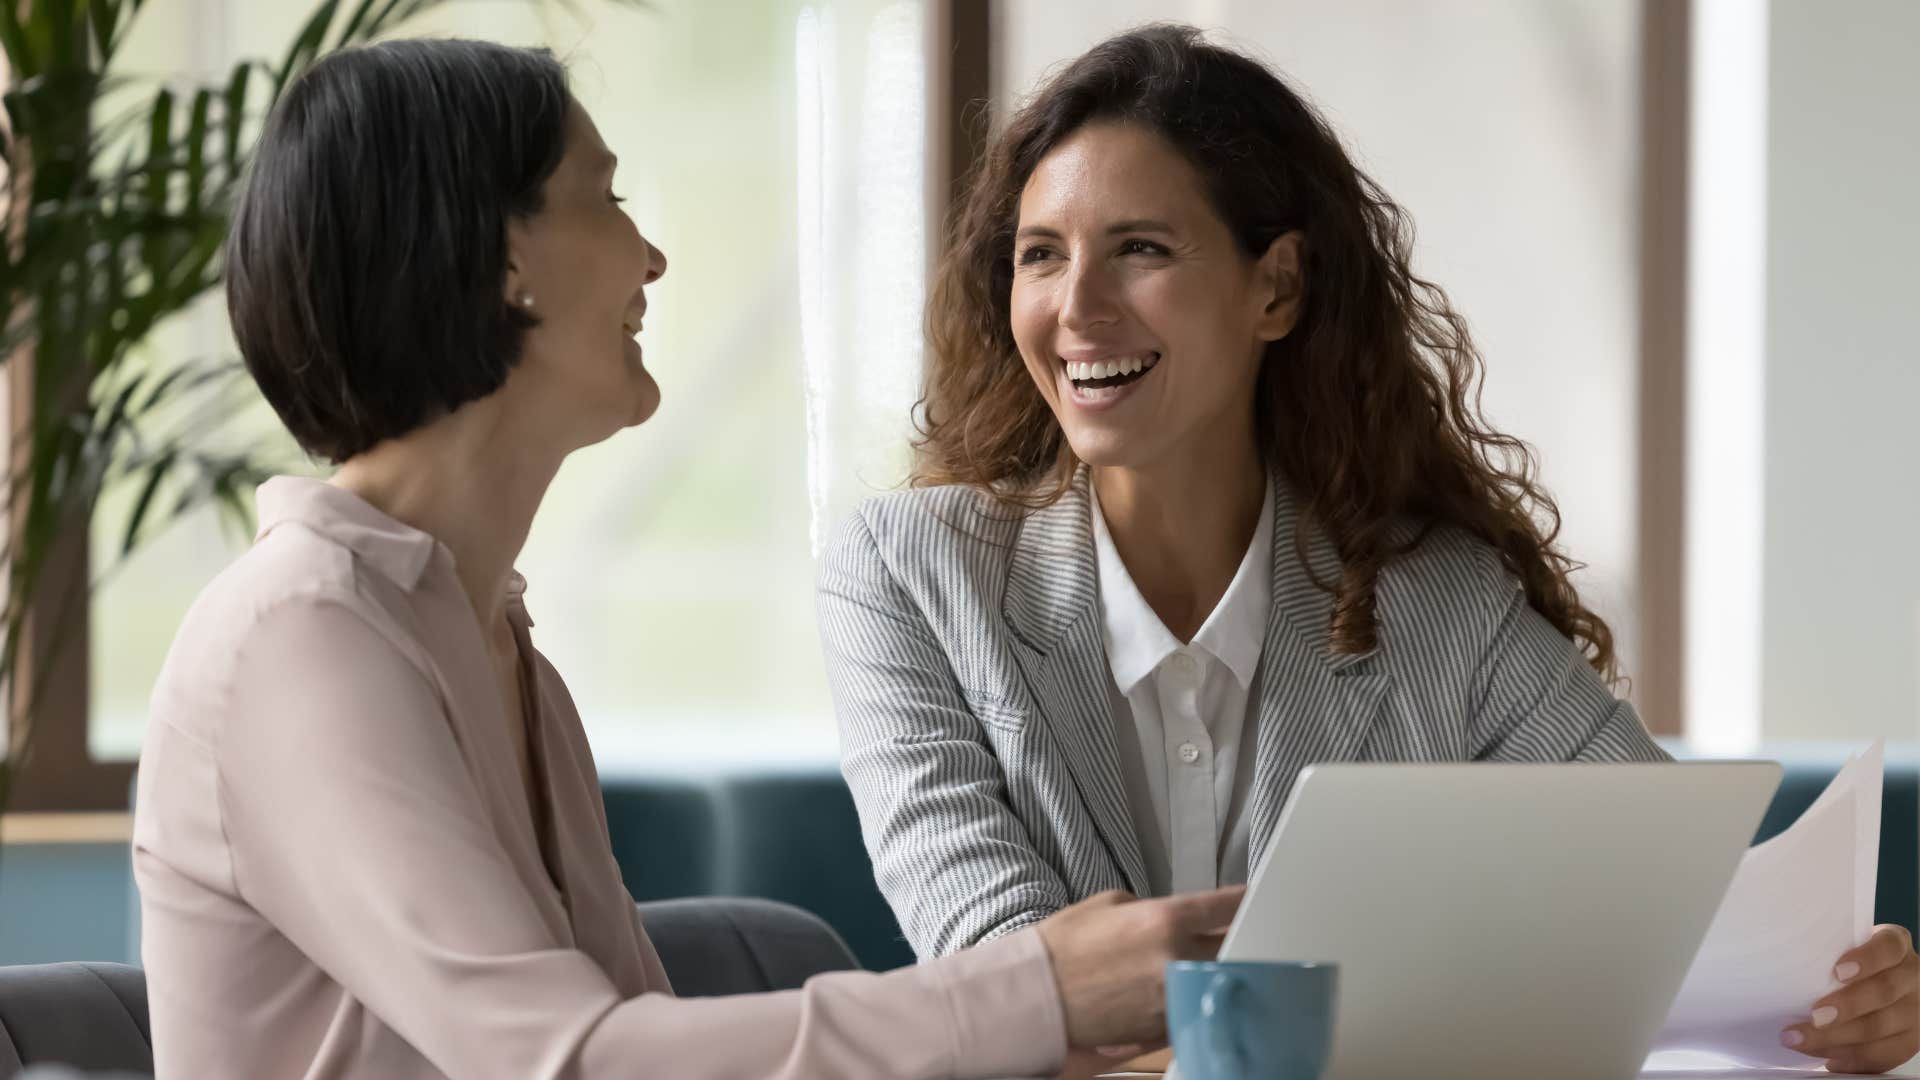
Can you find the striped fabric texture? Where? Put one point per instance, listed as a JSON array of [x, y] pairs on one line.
[[965, 656]]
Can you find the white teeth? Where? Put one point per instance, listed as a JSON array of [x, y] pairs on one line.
[[1081, 371]]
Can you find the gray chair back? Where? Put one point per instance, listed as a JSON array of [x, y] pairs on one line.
[[91, 1016], [94, 1016], [737, 945]]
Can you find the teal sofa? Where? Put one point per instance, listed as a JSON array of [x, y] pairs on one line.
[[789, 833], [786, 833]]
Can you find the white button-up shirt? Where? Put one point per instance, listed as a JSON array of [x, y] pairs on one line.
[[1184, 715]]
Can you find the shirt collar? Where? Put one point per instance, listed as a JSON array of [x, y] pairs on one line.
[[1137, 641], [396, 550]]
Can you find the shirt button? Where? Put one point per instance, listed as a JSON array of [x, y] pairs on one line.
[[1189, 753], [1182, 668]]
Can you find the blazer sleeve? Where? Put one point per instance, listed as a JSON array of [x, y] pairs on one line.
[[355, 829], [1539, 700], [949, 853]]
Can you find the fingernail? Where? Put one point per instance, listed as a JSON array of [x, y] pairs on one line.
[[1791, 1038], [1846, 971], [1824, 1015]]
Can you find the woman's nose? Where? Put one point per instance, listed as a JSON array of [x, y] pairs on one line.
[[656, 262], [1086, 300]]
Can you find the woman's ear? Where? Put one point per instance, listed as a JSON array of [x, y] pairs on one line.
[[1282, 286], [517, 289]]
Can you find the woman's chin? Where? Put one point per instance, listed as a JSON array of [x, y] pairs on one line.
[[616, 408], [1104, 449], [646, 399]]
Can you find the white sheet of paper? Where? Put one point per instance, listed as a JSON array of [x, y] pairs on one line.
[[1687, 1067], [1653, 1072], [1796, 903]]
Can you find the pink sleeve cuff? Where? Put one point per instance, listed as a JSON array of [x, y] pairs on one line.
[[1007, 1015]]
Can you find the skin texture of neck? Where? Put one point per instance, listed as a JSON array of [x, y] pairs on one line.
[[469, 482], [1182, 525]]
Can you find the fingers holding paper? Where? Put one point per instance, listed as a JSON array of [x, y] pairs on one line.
[[1872, 1023]]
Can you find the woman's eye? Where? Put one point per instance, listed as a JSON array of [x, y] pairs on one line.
[[1034, 255], [1142, 247]]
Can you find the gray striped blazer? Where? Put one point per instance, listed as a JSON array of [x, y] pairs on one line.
[[966, 659]]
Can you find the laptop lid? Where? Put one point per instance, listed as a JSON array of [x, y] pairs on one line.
[[1497, 920]]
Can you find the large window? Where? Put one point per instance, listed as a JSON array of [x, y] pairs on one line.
[[779, 151], [776, 151]]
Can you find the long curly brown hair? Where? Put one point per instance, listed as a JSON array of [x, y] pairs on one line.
[[1369, 410]]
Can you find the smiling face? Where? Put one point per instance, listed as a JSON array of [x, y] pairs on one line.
[[1138, 316], [585, 266]]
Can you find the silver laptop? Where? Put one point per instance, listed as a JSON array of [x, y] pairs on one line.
[[1500, 920]]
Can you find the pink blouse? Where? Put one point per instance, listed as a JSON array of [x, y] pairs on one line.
[[340, 873]]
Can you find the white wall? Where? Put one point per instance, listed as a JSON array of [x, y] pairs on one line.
[[1508, 128], [1841, 549]]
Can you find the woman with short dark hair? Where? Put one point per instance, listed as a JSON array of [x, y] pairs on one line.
[[368, 835]]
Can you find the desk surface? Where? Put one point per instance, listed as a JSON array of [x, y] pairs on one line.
[[1154, 1065], [1907, 1073]]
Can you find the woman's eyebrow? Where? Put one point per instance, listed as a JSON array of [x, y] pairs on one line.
[[1139, 225], [1131, 225]]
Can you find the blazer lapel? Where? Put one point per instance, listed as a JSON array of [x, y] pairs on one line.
[[1052, 606], [1315, 706]]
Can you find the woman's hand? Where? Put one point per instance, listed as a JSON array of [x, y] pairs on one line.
[[1872, 1023], [1110, 956]]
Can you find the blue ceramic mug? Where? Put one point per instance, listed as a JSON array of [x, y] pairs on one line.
[[1231, 1020]]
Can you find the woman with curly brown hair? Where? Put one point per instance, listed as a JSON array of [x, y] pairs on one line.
[[1203, 495]]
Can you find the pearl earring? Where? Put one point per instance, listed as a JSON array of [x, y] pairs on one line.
[[525, 299]]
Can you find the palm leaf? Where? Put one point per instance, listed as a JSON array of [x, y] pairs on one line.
[[103, 19], [196, 146], [13, 38], [156, 474], [306, 45], [234, 116], [355, 21]]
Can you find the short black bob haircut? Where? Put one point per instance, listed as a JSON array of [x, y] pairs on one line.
[[368, 252]]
